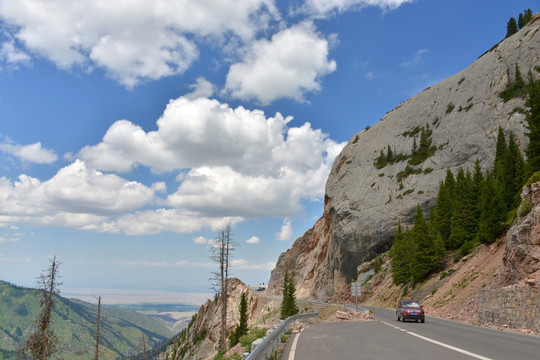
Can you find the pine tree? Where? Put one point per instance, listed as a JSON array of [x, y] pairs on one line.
[[513, 174], [439, 250], [242, 327], [400, 257], [492, 210], [445, 207], [463, 225], [533, 125], [389, 155], [288, 303], [521, 21], [421, 260], [476, 190], [511, 27]]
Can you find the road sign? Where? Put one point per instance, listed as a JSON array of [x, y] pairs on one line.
[[356, 289]]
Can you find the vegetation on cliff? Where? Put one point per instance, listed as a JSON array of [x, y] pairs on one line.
[[471, 208]]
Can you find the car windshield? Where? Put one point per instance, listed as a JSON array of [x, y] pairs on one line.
[[412, 304]]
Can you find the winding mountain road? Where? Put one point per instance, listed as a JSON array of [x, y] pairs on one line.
[[386, 338]]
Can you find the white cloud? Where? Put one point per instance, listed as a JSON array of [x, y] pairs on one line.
[[131, 40], [202, 240], [13, 56], [243, 264], [6, 239], [289, 65], [34, 153], [75, 197], [202, 88], [233, 164], [286, 232], [240, 163], [415, 61], [253, 240], [324, 8]]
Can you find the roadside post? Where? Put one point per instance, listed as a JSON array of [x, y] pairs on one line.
[[356, 291]]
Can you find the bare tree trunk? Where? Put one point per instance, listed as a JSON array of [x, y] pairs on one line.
[[221, 253], [144, 348], [41, 343], [97, 332]]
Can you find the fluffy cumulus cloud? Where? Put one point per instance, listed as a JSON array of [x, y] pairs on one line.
[[240, 163], [286, 232], [232, 164], [253, 240], [287, 66], [323, 8], [33, 153], [130, 40], [75, 197]]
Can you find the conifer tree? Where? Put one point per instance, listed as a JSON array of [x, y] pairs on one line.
[[422, 259], [511, 27], [521, 21], [242, 327], [389, 155], [400, 257], [439, 252], [513, 174], [445, 207], [492, 210], [532, 117], [476, 190], [288, 303], [462, 226]]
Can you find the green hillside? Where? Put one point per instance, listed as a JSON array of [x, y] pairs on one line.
[[74, 322]]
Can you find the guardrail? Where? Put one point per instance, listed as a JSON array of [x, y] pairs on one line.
[[270, 342]]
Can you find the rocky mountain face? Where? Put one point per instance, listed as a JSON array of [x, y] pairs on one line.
[[376, 181]]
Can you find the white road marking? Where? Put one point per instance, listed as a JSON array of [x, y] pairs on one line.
[[293, 347], [437, 343]]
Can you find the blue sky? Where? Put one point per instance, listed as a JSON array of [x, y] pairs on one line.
[[131, 130]]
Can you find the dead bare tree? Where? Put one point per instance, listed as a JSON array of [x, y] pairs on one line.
[[144, 347], [221, 253], [97, 331], [42, 342]]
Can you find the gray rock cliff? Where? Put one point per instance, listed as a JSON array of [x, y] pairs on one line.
[[363, 203]]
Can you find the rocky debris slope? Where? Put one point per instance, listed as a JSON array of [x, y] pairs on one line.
[[517, 303], [459, 116]]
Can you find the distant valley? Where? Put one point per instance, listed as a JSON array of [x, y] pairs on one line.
[[74, 321]]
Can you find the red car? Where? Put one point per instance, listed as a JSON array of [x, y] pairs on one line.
[[408, 309]]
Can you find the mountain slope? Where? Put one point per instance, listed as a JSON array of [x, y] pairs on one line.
[[74, 322], [376, 181]]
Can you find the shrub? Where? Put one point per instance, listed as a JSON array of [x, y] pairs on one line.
[[251, 336], [449, 108], [407, 192], [525, 207]]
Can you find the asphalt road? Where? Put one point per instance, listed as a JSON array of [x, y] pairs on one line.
[[386, 338]]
